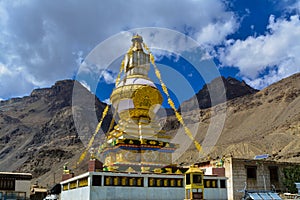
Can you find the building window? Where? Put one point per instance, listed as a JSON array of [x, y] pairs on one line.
[[274, 173], [123, 181], [7, 184], [197, 178], [164, 182], [83, 182], [73, 184], [65, 187], [210, 183], [222, 183], [187, 179], [96, 181], [251, 172]]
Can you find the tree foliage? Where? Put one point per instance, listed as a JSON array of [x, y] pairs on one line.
[[291, 175]]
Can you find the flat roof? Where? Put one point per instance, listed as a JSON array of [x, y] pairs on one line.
[[267, 161], [16, 175], [153, 175], [86, 174]]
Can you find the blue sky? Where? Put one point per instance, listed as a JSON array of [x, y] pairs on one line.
[[45, 41]]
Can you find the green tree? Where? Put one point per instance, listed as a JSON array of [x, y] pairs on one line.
[[291, 175]]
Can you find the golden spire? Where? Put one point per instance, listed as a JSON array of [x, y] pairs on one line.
[[136, 61], [137, 41]]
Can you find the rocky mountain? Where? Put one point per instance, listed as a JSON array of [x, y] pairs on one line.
[[38, 132], [41, 132], [217, 91], [265, 122]]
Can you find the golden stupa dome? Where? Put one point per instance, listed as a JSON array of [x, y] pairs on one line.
[[136, 96]]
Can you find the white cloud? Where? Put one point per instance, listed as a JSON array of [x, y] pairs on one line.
[[41, 36], [14, 82], [108, 76], [292, 7], [4, 70], [215, 33], [267, 58]]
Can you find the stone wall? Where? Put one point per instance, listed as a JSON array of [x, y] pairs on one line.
[[258, 178]]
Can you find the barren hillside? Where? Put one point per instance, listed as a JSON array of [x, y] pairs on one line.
[[267, 122]]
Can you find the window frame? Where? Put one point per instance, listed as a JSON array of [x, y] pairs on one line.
[[251, 172]]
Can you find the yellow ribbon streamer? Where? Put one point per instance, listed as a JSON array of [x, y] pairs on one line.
[[83, 155], [81, 158], [170, 101]]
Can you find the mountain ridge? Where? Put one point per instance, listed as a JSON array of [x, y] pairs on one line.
[[213, 93]]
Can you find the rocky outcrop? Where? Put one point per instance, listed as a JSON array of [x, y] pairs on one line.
[[217, 91], [38, 133]]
